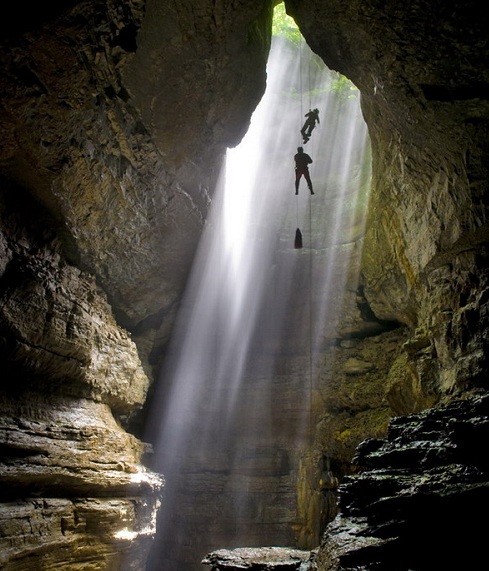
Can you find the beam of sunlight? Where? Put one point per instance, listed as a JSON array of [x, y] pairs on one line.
[[232, 407]]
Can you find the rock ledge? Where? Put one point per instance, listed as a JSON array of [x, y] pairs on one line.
[[258, 558]]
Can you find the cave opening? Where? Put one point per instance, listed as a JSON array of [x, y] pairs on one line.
[[232, 413]]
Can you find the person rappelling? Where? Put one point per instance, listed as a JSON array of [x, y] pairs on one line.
[[302, 162], [312, 117]]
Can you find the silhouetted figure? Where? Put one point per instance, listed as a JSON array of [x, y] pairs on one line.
[[312, 117], [302, 162]]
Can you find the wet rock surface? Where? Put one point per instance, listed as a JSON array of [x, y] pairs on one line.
[[258, 559], [115, 115], [74, 490], [72, 482], [113, 120], [413, 504], [424, 254]]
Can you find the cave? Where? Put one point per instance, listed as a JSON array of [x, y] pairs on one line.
[[116, 119]]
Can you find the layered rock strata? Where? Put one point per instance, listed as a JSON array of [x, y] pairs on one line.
[[425, 104], [114, 118], [265, 558], [413, 504], [107, 170], [74, 489], [74, 492], [410, 506]]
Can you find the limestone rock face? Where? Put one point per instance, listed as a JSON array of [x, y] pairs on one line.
[[114, 119], [58, 331], [402, 508], [98, 124], [72, 478], [112, 140], [92, 495], [425, 104]]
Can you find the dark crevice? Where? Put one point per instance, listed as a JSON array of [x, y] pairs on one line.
[[369, 316], [21, 20], [458, 93]]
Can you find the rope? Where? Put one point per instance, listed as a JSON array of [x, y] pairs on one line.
[[311, 383], [309, 71], [300, 118], [297, 210], [300, 80]]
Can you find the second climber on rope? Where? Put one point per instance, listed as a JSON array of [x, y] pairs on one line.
[[312, 117], [302, 162]]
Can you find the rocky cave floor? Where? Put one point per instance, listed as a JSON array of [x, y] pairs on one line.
[[412, 506]]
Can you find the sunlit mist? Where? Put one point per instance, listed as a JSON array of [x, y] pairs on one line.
[[231, 413]]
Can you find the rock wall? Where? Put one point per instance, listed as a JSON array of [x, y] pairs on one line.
[[425, 104], [401, 511], [412, 505], [424, 255], [114, 119], [89, 129], [107, 170], [72, 478]]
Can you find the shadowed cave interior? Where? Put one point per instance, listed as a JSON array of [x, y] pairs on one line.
[[328, 401]]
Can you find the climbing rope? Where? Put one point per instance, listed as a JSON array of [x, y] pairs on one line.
[[298, 233], [311, 419], [310, 272], [311, 383], [300, 83]]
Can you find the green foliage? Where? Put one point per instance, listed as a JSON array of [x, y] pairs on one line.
[[343, 87], [284, 26]]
